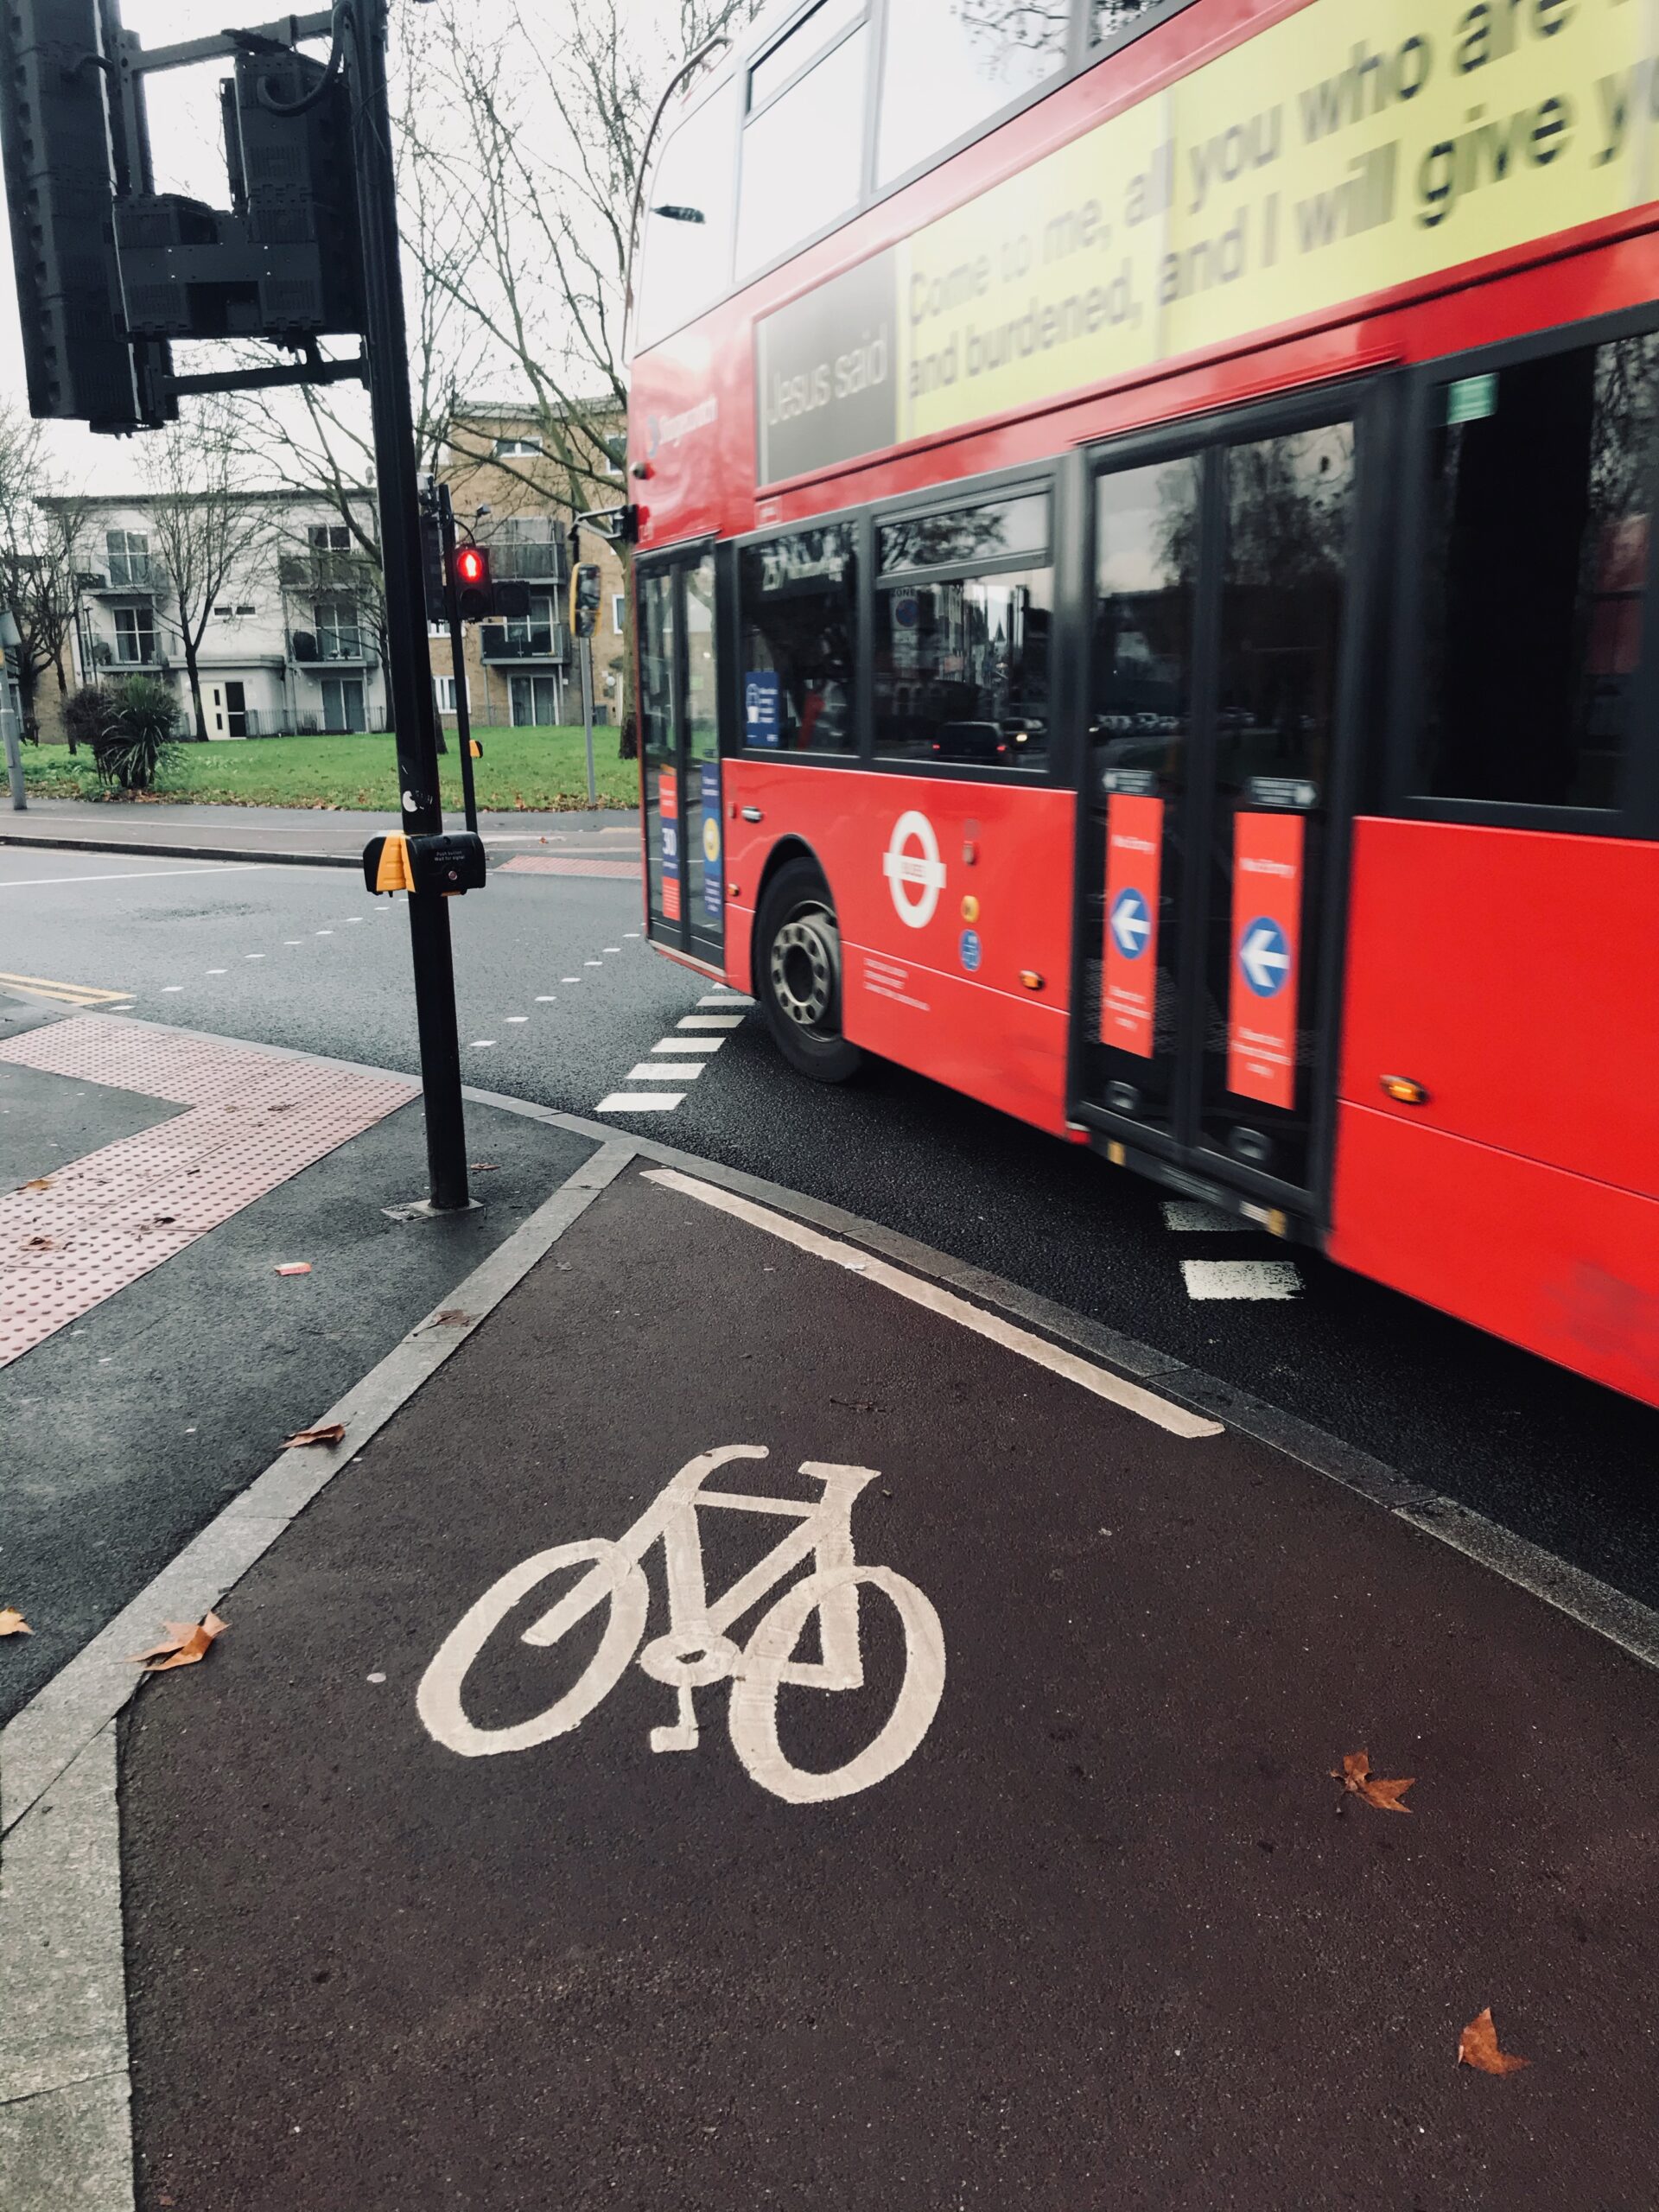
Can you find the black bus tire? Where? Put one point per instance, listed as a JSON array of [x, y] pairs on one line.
[[798, 974]]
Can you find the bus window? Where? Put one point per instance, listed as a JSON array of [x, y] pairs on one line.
[[948, 66], [802, 154], [961, 662], [1534, 632], [686, 261], [804, 39], [1110, 16], [798, 601]]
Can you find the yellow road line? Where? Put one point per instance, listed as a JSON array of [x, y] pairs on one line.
[[70, 994]]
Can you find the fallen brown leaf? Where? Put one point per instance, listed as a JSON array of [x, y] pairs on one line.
[[38, 1183], [451, 1317], [295, 1267], [1477, 2047], [12, 1622], [482, 1167], [1356, 1777], [184, 1644], [333, 1434], [41, 1244]]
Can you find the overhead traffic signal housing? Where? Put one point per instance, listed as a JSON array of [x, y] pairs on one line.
[[584, 598]]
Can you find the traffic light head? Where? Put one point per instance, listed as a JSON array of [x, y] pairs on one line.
[[584, 600], [476, 600]]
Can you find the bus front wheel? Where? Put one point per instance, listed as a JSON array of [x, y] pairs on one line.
[[798, 973]]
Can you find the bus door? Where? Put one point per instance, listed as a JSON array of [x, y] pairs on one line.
[[1225, 604], [680, 752]]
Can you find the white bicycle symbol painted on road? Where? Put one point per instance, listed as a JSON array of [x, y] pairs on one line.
[[696, 1652]]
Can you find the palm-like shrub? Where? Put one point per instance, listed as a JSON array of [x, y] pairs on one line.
[[137, 738]]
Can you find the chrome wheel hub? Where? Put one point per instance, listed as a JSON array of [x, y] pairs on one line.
[[806, 967]]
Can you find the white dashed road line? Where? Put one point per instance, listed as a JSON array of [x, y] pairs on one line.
[[1227, 1279], [1241, 1279], [1187, 1217], [690, 1044], [710, 1021], [641, 1102], [667, 1072]]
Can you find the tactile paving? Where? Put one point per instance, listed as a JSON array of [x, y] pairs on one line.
[[255, 1118]]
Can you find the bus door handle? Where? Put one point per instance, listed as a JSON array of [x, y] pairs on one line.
[[752, 814]]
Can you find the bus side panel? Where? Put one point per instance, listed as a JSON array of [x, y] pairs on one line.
[[1512, 972], [949, 896], [1556, 1262], [1509, 972]]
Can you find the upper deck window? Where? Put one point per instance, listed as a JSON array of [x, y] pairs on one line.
[[803, 151], [686, 260], [949, 64], [800, 44], [1110, 16]]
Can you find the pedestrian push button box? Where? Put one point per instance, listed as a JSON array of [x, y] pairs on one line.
[[449, 864]]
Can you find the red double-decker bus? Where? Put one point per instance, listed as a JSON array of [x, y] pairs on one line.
[[1145, 602]]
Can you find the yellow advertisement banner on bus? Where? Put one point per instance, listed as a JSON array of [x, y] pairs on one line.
[[1355, 145]]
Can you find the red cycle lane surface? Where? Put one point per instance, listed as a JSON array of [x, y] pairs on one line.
[[1096, 1931]]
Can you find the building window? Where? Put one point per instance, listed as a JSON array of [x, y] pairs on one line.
[[223, 613], [619, 612], [135, 636], [339, 637], [516, 449], [330, 537], [1534, 637], [129, 552], [961, 661], [799, 603], [247, 610], [533, 640], [444, 690]]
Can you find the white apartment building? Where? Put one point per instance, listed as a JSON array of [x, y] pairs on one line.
[[293, 642]]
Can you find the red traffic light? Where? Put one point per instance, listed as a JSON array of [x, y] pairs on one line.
[[474, 599]]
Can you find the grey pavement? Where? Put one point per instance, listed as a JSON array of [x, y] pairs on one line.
[[1046, 1899], [126, 1432], [332, 837]]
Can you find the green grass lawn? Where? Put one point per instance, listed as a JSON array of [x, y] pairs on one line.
[[533, 768]]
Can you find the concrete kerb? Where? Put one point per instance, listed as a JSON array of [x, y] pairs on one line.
[[151, 850], [65, 2123]]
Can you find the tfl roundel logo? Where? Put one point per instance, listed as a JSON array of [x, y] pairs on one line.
[[1264, 956], [914, 871]]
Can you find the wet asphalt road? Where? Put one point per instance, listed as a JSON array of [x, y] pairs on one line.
[[559, 998]]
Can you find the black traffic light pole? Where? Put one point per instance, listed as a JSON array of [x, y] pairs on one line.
[[457, 654], [409, 665]]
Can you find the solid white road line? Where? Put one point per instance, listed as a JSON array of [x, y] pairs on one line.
[[1187, 1218], [710, 1021], [1241, 1279], [666, 1071], [641, 1102], [1132, 1396], [133, 875], [689, 1044]]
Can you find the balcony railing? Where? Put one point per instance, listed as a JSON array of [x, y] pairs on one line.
[[314, 648], [324, 572], [523, 641], [528, 563], [132, 572]]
